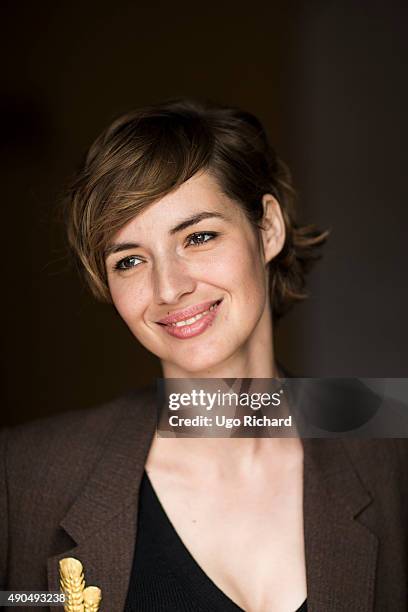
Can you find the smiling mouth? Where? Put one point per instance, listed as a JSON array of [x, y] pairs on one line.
[[197, 317], [192, 319], [194, 324]]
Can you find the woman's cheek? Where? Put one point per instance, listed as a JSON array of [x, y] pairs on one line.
[[128, 299], [240, 266]]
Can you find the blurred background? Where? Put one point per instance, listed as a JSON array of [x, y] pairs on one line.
[[328, 79]]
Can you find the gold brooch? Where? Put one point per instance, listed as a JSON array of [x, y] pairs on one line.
[[78, 597]]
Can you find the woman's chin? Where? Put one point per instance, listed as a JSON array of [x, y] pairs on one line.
[[194, 366]]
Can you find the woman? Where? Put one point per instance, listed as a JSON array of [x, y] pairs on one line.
[[182, 217]]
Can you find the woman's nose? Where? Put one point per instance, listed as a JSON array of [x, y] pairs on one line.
[[171, 280]]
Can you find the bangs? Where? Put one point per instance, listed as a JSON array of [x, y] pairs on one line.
[[154, 156]]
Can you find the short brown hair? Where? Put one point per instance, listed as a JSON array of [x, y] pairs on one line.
[[147, 153]]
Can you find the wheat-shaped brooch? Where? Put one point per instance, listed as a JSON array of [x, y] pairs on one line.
[[78, 598]]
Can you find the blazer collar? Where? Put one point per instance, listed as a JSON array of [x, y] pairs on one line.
[[102, 521], [340, 547]]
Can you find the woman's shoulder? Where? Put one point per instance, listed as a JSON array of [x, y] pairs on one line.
[[382, 465], [375, 453], [76, 436]]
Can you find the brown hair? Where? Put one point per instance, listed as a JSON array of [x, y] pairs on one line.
[[147, 153]]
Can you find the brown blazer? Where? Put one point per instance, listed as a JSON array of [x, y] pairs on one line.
[[71, 489]]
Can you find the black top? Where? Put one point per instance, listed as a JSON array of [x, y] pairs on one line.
[[164, 575]]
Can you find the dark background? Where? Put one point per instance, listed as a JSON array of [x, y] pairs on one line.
[[328, 79]]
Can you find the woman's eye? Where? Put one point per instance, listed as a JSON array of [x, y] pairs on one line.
[[200, 238], [127, 263]]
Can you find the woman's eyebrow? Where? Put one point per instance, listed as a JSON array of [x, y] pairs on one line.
[[125, 246], [196, 219], [120, 246]]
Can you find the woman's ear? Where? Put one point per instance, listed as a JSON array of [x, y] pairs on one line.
[[273, 227]]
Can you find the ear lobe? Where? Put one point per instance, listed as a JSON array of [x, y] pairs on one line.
[[273, 227]]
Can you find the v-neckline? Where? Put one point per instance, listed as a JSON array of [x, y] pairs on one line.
[[194, 578]]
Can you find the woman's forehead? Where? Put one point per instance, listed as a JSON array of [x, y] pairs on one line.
[[202, 187], [199, 197]]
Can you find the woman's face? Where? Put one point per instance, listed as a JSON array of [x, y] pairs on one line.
[[189, 278]]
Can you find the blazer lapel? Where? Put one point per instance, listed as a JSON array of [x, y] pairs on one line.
[[102, 522], [341, 550]]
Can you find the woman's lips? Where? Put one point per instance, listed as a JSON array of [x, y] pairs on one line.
[[187, 313], [192, 321]]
